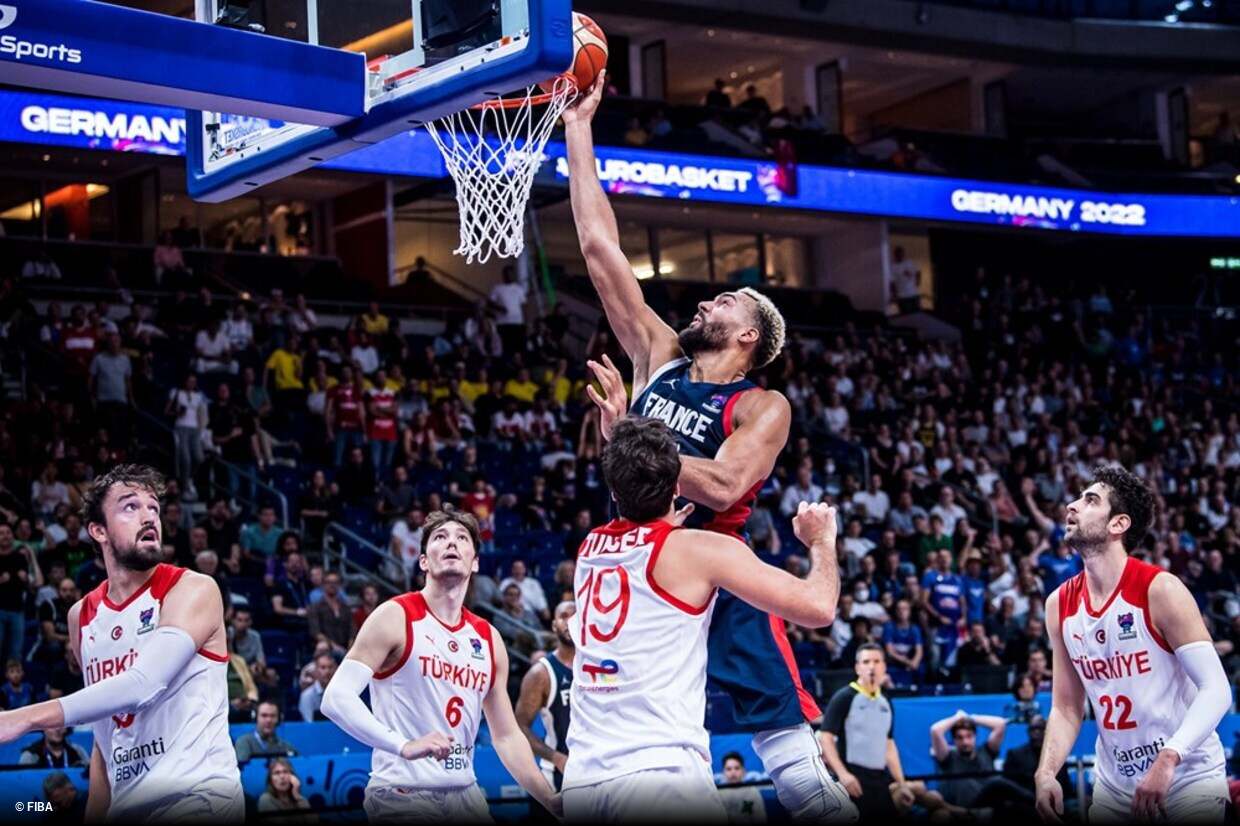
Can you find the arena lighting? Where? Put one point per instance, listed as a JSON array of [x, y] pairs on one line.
[[73, 192], [647, 272]]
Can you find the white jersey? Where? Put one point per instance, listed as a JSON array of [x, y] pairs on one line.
[[639, 677], [1138, 690], [438, 685], [179, 745]]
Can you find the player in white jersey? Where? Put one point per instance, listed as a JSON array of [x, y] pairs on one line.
[[1144, 660], [433, 669], [153, 651], [645, 589]]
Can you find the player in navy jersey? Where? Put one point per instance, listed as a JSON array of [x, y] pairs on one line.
[[545, 692], [730, 434]]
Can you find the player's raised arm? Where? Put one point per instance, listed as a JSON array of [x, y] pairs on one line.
[[645, 337], [1064, 723], [510, 741], [730, 564], [379, 644]]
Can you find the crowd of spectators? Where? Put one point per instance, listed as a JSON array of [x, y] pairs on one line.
[[950, 463]]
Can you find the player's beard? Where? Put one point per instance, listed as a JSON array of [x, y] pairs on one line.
[[564, 636], [1087, 543], [704, 338], [138, 556]]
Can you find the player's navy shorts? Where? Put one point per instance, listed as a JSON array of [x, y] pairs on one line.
[[751, 659]]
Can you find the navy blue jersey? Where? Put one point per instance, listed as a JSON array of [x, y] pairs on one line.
[[700, 415], [749, 655], [555, 714]]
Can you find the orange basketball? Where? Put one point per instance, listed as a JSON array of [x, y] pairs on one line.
[[589, 53]]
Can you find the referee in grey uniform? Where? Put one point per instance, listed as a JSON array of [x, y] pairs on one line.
[[857, 740]]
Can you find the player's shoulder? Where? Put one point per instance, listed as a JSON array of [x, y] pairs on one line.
[[756, 402]]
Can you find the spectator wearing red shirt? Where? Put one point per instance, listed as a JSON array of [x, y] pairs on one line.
[[481, 503], [381, 423], [346, 413]]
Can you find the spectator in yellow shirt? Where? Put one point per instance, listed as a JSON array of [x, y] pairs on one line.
[[284, 366], [374, 322], [521, 388], [558, 384]]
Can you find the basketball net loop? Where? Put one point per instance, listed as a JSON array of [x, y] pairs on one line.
[[493, 152]]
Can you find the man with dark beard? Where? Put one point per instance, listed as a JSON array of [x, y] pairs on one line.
[[1130, 638], [730, 434], [153, 650]]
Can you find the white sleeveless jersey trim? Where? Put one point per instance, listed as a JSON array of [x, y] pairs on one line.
[[1139, 691], [438, 685], [639, 676], [181, 742]]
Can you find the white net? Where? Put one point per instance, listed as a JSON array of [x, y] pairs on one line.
[[493, 153]]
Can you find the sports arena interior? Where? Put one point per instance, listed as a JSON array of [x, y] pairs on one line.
[[1005, 236]]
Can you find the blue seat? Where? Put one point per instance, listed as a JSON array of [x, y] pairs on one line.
[[281, 646], [546, 542], [255, 593]]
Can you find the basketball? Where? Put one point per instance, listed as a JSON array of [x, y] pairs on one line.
[[589, 53]]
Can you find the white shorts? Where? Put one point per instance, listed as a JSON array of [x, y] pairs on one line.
[[203, 804], [1201, 801], [676, 794], [463, 805]]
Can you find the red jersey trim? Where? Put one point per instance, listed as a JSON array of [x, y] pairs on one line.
[[484, 630], [90, 605], [809, 707], [1137, 592], [728, 427], [1121, 586], [667, 596], [219, 658], [414, 606], [159, 584]]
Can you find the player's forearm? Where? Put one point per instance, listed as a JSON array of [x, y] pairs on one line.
[[712, 483], [100, 793], [37, 717], [1062, 728], [518, 758], [537, 744], [596, 221], [342, 704]]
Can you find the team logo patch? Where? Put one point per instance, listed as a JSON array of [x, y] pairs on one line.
[[476, 644], [1101, 636], [117, 632], [604, 672], [716, 403], [453, 647], [1126, 622], [146, 618]]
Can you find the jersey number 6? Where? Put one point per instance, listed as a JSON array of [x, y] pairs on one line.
[[590, 596], [453, 711]]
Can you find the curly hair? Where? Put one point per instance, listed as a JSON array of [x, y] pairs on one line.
[[641, 466], [771, 328], [135, 476], [1126, 493]]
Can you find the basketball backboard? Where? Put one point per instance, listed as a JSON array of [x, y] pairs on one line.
[[425, 59]]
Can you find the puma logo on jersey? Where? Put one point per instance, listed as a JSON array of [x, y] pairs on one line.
[[460, 675]]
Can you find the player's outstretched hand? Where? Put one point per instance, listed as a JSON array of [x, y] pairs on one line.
[[434, 744], [583, 108], [682, 514], [1149, 802], [1048, 798], [614, 401], [815, 525]]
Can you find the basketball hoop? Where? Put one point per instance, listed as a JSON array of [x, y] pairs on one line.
[[493, 151]]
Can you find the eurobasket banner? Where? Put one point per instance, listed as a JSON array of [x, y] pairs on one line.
[[57, 120]]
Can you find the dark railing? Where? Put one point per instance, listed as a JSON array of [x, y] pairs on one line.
[[1217, 11]]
